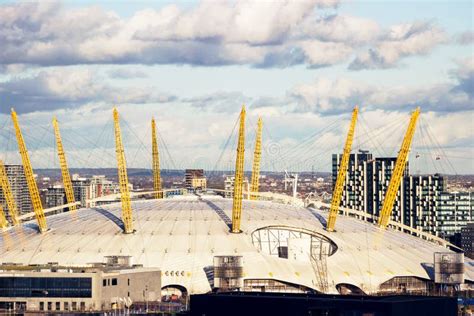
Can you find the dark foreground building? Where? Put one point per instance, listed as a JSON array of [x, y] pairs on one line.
[[260, 304]]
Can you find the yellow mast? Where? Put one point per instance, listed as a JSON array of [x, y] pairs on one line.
[[30, 179], [64, 169], [156, 162], [123, 177], [3, 219], [397, 174], [257, 155], [341, 175], [239, 174], [7, 193]]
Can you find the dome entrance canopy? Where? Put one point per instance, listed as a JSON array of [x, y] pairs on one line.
[[292, 242]]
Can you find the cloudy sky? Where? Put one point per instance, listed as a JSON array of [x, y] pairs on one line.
[[300, 65]]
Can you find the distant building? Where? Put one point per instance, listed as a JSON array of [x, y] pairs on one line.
[[467, 240], [195, 179], [55, 196], [19, 187], [229, 186], [81, 187], [422, 201]]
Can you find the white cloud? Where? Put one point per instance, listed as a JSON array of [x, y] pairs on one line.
[[400, 41], [258, 33]]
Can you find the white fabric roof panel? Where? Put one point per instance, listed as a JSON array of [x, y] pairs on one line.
[[184, 234]]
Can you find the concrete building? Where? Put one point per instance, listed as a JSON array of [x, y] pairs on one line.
[[195, 179], [93, 287]]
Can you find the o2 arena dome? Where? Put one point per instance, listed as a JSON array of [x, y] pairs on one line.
[[282, 247]]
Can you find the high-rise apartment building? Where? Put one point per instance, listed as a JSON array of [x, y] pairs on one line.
[[422, 200], [55, 196], [19, 187]]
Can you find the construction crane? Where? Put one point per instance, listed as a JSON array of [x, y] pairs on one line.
[[341, 175], [30, 179], [7, 193], [257, 155], [127, 218], [239, 175], [64, 168], [398, 170], [156, 162]]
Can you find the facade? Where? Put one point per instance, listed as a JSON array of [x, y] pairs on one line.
[[54, 288], [81, 189], [55, 196], [195, 179], [422, 200], [229, 186], [19, 187], [467, 240]]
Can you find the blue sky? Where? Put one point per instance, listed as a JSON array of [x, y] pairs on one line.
[[302, 66]]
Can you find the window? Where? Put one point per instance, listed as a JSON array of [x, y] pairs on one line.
[[83, 306], [129, 283], [58, 306], [66, 306], [114, 281], [74, 306], [104, 282], [41, 306], [50, 306]]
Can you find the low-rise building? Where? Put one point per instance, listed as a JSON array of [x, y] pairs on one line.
[[96, 287]]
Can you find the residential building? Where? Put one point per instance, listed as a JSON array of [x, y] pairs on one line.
[[422, 201], [19, 188], [195, 179], [467, 240]]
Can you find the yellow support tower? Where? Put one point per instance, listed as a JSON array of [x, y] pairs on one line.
[[239, 175], [257, 155], [123, 177], [7, 193], [3, 219], [397, 174], [341, 175], [30, 179], [64, 169], [156, 162]]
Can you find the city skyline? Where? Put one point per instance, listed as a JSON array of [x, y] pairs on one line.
[[193, 65]]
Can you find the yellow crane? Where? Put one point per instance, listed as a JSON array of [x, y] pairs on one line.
[[397, 173], [123, 177], [239, 175], [7, 193], [257, 155], [30, 179], [156, 162], [341, 175], [64, 168]]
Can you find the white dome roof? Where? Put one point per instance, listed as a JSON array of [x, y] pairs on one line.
[[181, 235]]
